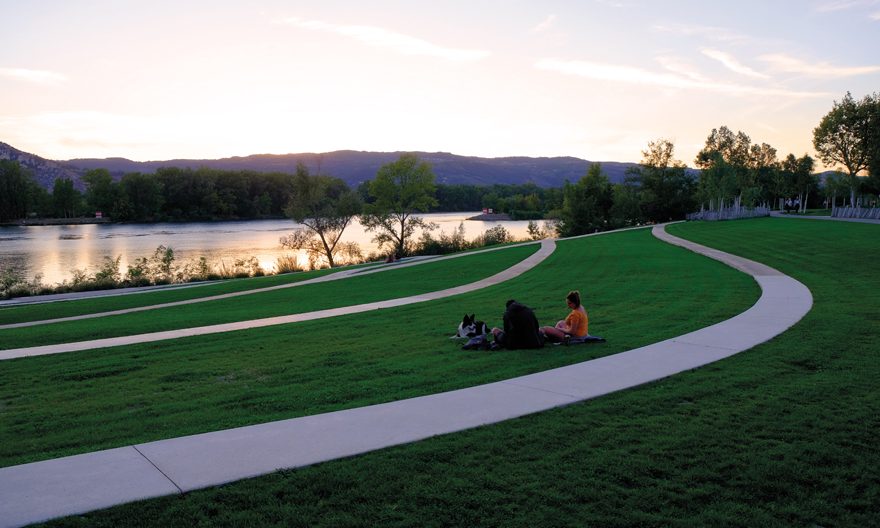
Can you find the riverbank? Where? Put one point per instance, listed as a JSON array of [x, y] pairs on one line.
[[485, 217], [491, 217], [54, 251], [89, 220], [56, 221]]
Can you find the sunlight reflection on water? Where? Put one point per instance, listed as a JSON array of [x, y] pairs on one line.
[[54, 251]]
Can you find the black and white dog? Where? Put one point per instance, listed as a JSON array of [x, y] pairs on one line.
[[470, 327]]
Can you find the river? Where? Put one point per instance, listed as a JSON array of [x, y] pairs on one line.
[[53, 252]]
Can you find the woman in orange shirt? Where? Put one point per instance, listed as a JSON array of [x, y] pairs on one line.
[[575, 325]]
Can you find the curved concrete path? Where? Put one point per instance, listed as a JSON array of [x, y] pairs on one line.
[[53, 488], [547, 247], [344, 274]]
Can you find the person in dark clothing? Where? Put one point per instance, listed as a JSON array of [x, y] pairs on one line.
[[521, 329]]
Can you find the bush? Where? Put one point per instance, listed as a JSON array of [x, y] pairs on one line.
[[109, 272], [348, 253], [539, 233], [9, 278], [161, 265], [493, 236], [78, 278], [138, 273], [158, 269], [287, 264], [428, 245]]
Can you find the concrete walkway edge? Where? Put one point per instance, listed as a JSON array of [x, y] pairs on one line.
[[43, 490]]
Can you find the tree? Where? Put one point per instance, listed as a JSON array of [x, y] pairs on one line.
[[13, 191], [843, 136], [765, 168], [65, 198], [39, 201], [835, 184], [733, 148], [325, 206], [728, 154], [141, 196], [400, 189], [717, 183], [798, 174], [627, 206], [872, 107], [586, 204], [666, 188], [101, 191]]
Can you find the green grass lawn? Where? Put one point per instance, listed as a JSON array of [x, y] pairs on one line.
[[782, 435], [402, 282], [42, 311], [638, 290]]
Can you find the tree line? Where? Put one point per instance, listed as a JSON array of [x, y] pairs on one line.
[[184, 194], [169, 194]]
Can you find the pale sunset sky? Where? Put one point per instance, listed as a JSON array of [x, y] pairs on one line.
[[595, 79]]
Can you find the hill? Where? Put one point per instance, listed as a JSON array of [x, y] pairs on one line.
[[45, 171], [354, 167]]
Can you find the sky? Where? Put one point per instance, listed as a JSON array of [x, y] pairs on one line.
[[594, 79]]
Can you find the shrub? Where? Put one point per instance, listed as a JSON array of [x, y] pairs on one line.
[[493, 236], [19, 289], [428, 245], [348, 253], [109, 273], [287, 264], [162, 265], [9, 278], [138, 273], [539, 233], [78, 277]]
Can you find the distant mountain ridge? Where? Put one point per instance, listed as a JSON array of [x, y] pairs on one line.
[[354, 167], [45, 171]]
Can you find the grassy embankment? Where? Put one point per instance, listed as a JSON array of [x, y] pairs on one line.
[[52, 310], [638, 289], [395, 283], [781, 435], [179, 292]]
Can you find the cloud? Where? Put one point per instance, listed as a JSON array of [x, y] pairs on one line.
[[732, 64], [710, 32], [681, 67], [383, 38], [830, 6], [545, 24], [788, 64], [32, 76], [630, 75], [842, 5]]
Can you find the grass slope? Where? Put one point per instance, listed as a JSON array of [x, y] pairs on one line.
[[41, 311], [782, 435], [638, 290], [391, 284]]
